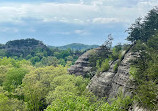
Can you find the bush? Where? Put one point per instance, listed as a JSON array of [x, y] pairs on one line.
[[103, 67], [115, 67]]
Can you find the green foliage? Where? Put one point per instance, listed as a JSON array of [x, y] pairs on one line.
[[12, 62], [145, 73], [146, 94], [62, 62], [116, 52], [7, 65], [36, 85], [38, 53], [144, 29], [48, 61], [14, 78], [3, 71], [133, 71], [144, 69], [4, 106], [115, 68], [51, 83], [122, 102], [2, 52], [49, 88], [99, 62], [77, 46], [93, 58], [35, 59], [104, 65], [88, 102], [7, 104], [98, 56], [152, 43]]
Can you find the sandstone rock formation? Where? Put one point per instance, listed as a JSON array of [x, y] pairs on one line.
[[82, 66], [109, 83], [101, 84]]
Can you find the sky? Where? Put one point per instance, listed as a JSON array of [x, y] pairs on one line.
[[61, 22]]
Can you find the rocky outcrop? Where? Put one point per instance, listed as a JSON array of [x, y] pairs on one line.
[[82, 66], [109, 83], [101, 83], [121, 81]]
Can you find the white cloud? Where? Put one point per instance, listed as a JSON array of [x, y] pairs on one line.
[[83, 12], [81, 32], [7, 29], [106, 20]]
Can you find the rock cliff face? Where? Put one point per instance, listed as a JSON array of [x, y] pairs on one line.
[[121, 81], [109, 83], [106, 84], [82, 66], [101, 84]]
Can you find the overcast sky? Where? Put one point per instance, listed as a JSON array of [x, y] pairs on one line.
[[60, 22]]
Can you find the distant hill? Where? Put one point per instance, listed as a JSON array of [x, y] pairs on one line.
[[76, 46], [30, 47], [25, 47]]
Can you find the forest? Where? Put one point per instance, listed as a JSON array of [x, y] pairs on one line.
[[34, 77], [38, 53]]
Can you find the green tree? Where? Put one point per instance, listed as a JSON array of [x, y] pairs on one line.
[[144, 29], [145, 73], [34, 60], [14, 78], [36, 86]]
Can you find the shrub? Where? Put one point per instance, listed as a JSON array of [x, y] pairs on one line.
[[115, 67], [103, 67]]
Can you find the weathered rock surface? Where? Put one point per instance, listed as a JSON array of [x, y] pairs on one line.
[[135, 107], [109, 84], [81, 66], [121, 81], [101, 83]]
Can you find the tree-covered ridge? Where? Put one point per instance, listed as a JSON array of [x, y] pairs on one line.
[[24, 47], [24, 43], [78, 46], [38, 53]]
